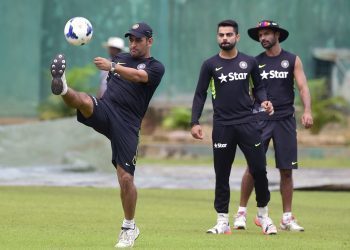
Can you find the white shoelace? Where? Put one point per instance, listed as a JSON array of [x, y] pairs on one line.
[[241, 216], [126, 236]]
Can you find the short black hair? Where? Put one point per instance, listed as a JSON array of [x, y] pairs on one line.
[[229, 22]]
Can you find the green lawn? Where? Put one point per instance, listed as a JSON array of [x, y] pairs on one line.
[[90, 218]]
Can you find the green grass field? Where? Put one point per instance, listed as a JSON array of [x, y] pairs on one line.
[[90, 218]]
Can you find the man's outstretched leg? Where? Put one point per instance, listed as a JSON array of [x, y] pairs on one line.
[[72, 98], [128, 195]]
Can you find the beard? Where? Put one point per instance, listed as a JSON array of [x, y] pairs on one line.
[[268, 44], [227, 46]]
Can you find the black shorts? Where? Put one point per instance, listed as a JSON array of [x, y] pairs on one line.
[[247, 137], [284, 137], [124, 137]]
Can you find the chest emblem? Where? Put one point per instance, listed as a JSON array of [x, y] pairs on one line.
[[141, 66], [243, 65], [285, 64]]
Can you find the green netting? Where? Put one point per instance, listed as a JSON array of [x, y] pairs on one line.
[[184, 36]]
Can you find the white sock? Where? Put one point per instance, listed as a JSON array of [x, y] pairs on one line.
[[263, 211], [286, 216], [128, 223], [223, 217], [242, 209], [65, 86]]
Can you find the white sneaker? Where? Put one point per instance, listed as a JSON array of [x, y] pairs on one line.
[[266, 225], [240, 221], [291, 225], [127, 237], [222, 226]]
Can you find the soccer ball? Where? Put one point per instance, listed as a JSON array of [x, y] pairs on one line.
[[78, 31]]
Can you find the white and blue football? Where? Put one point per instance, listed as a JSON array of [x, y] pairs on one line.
[[78, 31]]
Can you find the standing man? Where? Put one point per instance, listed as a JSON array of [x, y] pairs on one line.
[[278, 69], [114, 46], [133, 78], [228, 74]]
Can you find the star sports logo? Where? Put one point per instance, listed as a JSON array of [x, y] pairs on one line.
[[232, 76], [220, 145], [273, 74]]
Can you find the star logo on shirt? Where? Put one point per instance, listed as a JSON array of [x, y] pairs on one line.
[[222, 78], [264, 75]]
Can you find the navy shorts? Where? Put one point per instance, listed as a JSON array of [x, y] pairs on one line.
[[284, 137], [123, 136]]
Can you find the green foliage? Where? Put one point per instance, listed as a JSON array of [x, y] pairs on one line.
[[78, 79], [178, 118], [325, 109]]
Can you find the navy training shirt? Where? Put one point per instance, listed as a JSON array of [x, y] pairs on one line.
[[229, 84], [277, 74], [129, 99]]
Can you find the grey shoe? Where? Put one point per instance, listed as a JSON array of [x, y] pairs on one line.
[[58, 66]]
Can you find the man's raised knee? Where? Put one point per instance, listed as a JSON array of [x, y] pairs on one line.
[[86, 106]]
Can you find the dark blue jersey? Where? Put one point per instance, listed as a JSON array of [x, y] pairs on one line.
[[229, 84], [277, 74], [129, 99]]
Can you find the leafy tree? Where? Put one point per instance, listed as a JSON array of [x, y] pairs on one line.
[[178, 118], [325, 109]]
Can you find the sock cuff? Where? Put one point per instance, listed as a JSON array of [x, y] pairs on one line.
[[242, 209], [223, 216], [65, 89], [128, 223], [263, 211]]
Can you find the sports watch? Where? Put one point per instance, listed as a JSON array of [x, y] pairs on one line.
[[112, 67]]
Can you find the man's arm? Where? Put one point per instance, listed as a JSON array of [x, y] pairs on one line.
[[129, 74], [259, 90], [300, 78], [198, 101]]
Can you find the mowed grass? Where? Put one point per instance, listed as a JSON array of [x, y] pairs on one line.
[[90, 218]]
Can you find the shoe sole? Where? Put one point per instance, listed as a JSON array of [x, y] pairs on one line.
[[270, 233], [285, 228], [210, 232], [57, 69], [240, 228]]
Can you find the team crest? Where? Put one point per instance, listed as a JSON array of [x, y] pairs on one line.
[[141, 66], [135, 26], [243, 65], [285, 64]]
